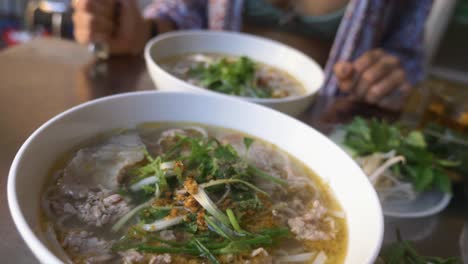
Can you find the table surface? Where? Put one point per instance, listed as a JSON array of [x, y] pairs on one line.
[[46, 76]]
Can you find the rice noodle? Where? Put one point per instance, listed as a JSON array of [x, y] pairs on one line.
[[371, 162], [376, 166], [387, 164], [162, 224], [321, 258], [297, 258]]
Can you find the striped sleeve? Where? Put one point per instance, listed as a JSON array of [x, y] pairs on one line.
[[395, 26], [186, 14], [405, 37]]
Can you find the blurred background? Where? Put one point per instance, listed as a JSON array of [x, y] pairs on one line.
[[446, 31], [21, 20], [447, 28]]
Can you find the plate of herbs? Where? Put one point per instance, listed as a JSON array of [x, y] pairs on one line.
[[410, 178]]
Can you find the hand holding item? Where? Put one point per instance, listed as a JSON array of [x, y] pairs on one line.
[[117, 24], [376, 77]]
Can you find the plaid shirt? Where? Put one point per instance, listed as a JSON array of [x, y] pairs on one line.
[[397, 26]]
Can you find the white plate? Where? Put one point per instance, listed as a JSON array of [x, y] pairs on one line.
[[425, 204]]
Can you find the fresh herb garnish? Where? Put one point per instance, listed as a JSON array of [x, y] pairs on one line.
[[183, 190], [247, 143], [205, 252], [236, 77]]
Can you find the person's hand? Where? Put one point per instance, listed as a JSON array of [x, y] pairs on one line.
[[376, 78], [96, 21]]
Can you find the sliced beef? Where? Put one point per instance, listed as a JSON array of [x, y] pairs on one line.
[[102, 165]]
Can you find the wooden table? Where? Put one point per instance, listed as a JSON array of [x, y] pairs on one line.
[[44, 77]]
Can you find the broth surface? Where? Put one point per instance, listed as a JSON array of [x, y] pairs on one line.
[[137, 196], [233, 75]]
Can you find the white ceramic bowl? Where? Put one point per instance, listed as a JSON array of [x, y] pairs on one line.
[[31, 165], [296, 63]]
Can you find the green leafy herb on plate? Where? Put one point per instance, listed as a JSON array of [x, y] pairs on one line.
[[422, 167]]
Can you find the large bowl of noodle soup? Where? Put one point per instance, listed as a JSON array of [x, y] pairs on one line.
[[348, 199]]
